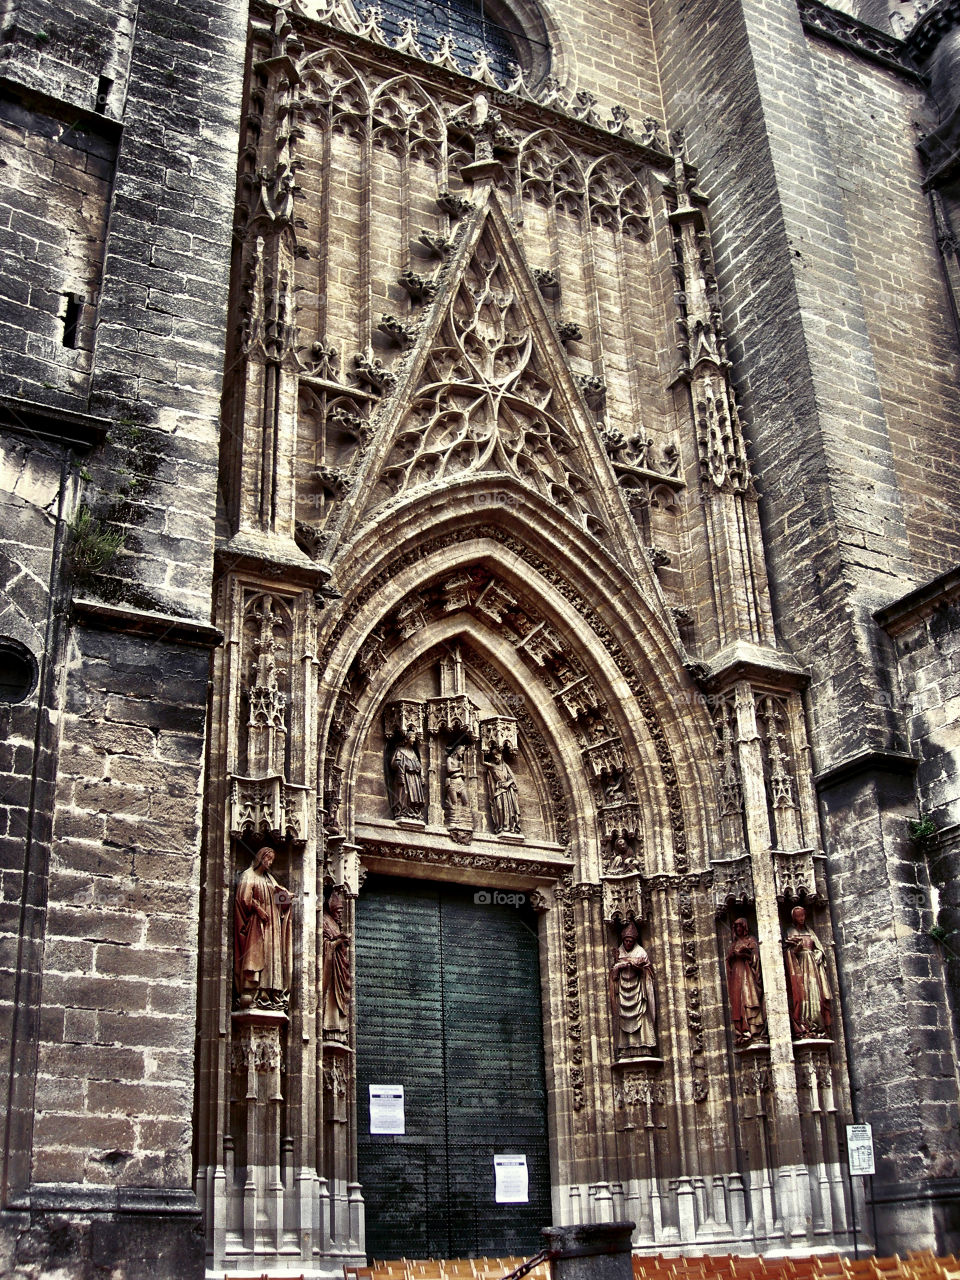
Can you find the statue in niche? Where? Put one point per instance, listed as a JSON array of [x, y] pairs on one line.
[[335, 982], [408, 798], [458, 802], [503, 792], [622, 860], [262, 936], [634, 997], [810, 995], [745, 984]]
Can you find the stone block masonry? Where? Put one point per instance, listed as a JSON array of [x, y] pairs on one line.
[[120, 153], [835, 393]]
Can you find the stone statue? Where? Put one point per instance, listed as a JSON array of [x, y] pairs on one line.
[[335, 983], [262, 936], [745, 984], [633, 995], [810, 995], [622, 861], [458, 803], [407, 778], [504, 798]]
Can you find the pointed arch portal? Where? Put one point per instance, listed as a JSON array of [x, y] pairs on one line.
[[495, 622]]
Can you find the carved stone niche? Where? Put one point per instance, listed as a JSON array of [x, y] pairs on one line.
[[499, 733], [268, 809], [797, 881], [624, 899], [457, 715], [732, 883]]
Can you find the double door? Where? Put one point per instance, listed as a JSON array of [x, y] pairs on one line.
[[448, 1007]]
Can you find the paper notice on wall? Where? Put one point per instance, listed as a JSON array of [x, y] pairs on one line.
[[386, 1108], [510, 1175], [860, 1149]]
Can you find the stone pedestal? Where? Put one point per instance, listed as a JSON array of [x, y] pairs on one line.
[[591, 1251]]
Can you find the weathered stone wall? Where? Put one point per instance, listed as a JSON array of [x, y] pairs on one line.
[[872, 117], [105, 893], [814, 370], [924, 628], [57, 176]]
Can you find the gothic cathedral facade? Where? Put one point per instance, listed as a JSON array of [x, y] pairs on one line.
[[479, 665]]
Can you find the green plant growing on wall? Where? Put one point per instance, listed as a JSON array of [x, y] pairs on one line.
[[94, 547], [922, 829]]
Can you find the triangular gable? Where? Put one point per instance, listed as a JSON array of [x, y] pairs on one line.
[[487, 390]]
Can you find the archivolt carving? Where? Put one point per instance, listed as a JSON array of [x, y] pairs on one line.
[[568, 924], [614, 650]]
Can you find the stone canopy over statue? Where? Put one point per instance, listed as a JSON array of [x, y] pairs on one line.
[[633, 996], [263, 937]]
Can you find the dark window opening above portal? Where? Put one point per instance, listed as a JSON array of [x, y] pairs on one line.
[[471, 26]]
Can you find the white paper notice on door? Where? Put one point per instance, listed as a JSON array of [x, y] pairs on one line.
[[510, 1174], [386, 1108]]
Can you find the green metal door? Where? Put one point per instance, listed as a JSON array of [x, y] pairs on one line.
[[448, 1005]]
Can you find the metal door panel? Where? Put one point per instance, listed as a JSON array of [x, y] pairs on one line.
[[448, 1005]]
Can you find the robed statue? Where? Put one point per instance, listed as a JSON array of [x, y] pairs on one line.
[[634, 997], [335, 983], [811, 998], [262, 936], [503, 792], [745, 985], [408, 796]]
